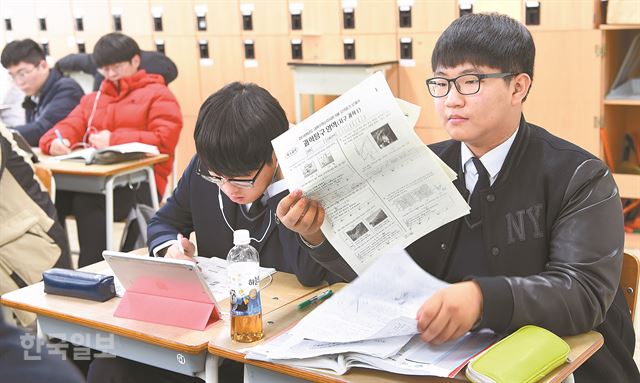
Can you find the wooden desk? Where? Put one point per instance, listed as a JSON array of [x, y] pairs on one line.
[[329, 78], [92, 324], [582, 347], [102, 179]]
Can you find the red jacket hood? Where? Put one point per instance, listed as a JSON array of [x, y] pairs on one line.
[[127, 84]]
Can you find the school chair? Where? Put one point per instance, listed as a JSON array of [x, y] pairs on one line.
[[46, 178], [629, 281]]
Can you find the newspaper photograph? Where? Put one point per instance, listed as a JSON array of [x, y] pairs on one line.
[[380, 186]]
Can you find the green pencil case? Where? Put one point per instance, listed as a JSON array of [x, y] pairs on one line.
[[525, 356]]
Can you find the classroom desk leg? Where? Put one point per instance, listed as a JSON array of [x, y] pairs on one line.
[[152, 187], [108, 200], [211, 368], [297, 105]]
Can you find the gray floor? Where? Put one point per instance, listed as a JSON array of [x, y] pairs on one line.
[[117, 234]]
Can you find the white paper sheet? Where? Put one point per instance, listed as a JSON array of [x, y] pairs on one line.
[[380, 186], [382, 302]]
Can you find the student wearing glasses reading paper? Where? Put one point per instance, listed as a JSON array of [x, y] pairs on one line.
[[233, 182], [543, 243]]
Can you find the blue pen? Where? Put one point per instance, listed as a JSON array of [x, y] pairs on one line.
[[60, 137]]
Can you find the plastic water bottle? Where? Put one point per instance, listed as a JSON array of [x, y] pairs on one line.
[[244, 281]]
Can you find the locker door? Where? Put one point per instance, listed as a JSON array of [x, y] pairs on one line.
[[222, 17], [91, 18], [319, 17], [22, 19], [183, 51], [178, 18], [373, 17], [56, 16], [271, 71], [268, 17], [134, 16], [376, 48], [412, 76], [226, 65], [512, 8], [573, 91], [323, 49], [427, 15], [565, 15]]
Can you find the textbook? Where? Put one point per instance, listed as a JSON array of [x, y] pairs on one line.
[[110, 155], [371, 323]]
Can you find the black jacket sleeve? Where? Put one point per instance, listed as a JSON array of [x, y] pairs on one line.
[[582, 274], [66, 96], [175, 216]]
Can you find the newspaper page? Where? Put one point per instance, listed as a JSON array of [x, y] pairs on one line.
[[380, 186]]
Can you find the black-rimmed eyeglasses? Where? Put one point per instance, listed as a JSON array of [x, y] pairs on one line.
[[466, 84], [241, 183]]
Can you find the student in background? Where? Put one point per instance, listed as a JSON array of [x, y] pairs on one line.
[[152, 62], [543, 243], [31, 239], [131, 106], [49, 95]]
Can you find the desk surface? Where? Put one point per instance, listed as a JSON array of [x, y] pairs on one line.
[[346, 63], [582, 347], [284, 289], [80, 168]]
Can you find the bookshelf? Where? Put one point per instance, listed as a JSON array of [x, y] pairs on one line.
[[619, 116]]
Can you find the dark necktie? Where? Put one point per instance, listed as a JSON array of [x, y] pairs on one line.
[[256, 208], [474, 217]]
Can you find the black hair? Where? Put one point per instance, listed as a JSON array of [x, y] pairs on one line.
[[235, 127], [19, 51], [487, 39], [114, 48]]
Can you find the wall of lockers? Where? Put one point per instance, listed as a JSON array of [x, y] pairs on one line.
[[218, 41]]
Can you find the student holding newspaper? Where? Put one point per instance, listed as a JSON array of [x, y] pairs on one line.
[[543, 243]]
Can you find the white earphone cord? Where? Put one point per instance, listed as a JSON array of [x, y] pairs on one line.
[[227, 222]]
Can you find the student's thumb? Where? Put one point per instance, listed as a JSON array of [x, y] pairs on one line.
[[188, 246]]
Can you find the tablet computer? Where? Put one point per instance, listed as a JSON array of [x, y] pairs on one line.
[[171, 278]]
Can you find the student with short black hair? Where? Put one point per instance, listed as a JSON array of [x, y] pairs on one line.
[[233, 182], [131, 106], [49, 95], [544, 241]]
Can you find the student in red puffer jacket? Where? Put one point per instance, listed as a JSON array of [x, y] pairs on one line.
[[131, 106]]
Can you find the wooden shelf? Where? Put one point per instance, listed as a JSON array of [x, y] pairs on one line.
[[629, 184], [626, 102], [632, 241], [613, 27]]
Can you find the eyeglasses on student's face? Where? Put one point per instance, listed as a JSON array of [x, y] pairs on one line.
[[466, 84], [22, 74], [115, 68], [241, 183]]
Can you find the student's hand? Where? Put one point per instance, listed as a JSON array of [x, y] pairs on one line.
[[450, 313], [302, 215], [175, 252], [57, 148], [100, 140]]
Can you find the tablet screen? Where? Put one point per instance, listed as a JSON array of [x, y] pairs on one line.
[[159, 276]]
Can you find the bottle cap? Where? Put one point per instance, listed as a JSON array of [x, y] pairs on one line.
[[241, 237]]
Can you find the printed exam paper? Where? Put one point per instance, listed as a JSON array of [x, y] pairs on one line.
[[380, 186]]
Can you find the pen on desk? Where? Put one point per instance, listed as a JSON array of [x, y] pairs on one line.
[[179, 237], [60, 137], [318, 298]]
